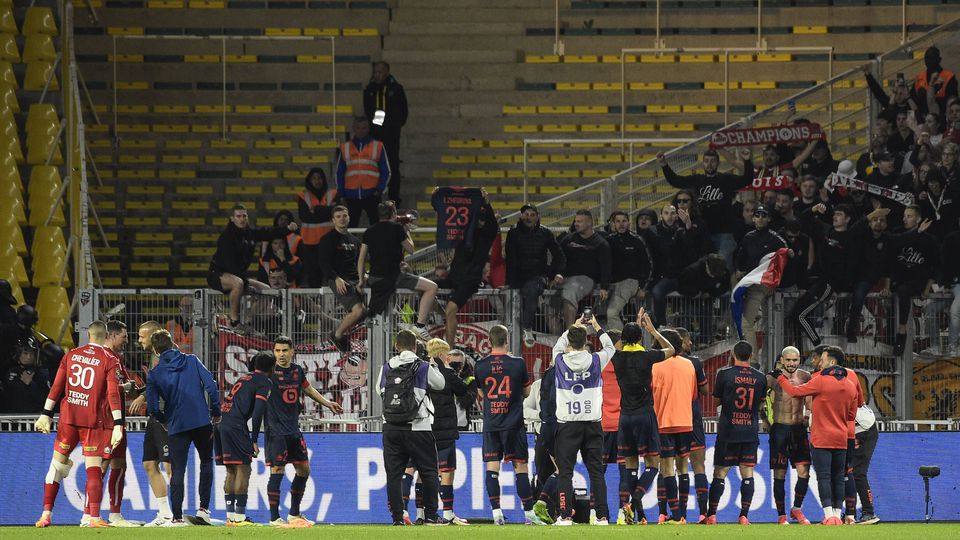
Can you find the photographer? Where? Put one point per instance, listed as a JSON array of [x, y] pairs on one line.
[[26, 385], [386, 243]]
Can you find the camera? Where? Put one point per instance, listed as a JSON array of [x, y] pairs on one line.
[[408, 217], [929, 471]]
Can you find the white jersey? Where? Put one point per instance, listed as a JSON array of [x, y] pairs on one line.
[[579, 393]]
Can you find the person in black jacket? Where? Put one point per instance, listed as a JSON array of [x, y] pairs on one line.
[[445, 429], [235, 248], [912, 268], [385, 104], [338, 260], [874, 262], [9, 329], [753, 247], [533, 258], [669, 253], [632, 268], [466, 268], [24, 388], [715, 192], [588, 265], [707, 278], [885, 175], [950, 278]]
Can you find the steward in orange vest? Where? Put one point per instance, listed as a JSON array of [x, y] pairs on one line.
[[362, 172], [314, 205], [945, 85]]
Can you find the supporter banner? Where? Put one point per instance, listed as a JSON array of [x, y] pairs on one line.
[[340, 377], [836, 180], [798, 133], [348, 482], [767, 183], [936, 389]]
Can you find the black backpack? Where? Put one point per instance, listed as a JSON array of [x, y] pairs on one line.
[[400, 403]]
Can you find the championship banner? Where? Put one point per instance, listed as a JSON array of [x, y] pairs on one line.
[[457, 211], [797, 133], [836, 180], [769, 183]]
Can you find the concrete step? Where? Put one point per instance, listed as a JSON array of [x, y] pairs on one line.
[[461, 85], [485, 14], [456, 5], [454, 42], [434, 57], [457, 28]]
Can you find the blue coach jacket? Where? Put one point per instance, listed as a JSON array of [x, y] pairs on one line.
[[181, 381]]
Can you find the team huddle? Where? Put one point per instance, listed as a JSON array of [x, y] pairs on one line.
[[616, 403], [621, 403], [184, 407]]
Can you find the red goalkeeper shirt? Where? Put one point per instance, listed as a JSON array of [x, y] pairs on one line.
[[88, 381]]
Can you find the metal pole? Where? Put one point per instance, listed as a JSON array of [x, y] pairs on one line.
[[556, 27], [623, 97], [759, 24], [333, 84], [726, 87], [657, 44], [50, 76], [223, 112], [525, 182], [903, 18], [116, 133]]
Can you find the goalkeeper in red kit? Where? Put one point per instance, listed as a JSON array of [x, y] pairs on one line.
[[88, 378]]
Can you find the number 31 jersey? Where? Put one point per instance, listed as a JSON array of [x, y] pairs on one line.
[[283, 407], [741, 390], [501, 379]]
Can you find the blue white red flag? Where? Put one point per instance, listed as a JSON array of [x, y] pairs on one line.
[[767, 273]]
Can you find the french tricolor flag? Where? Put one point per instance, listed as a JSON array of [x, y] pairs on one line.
[[767, 273]]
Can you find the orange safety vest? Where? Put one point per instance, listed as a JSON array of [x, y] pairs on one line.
[[311, 233], [184, 340], [920, 84], [362, 166]]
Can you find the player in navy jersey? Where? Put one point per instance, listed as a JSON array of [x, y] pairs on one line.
[[284, 442], [741, 390], [235, 445], [502, 382]]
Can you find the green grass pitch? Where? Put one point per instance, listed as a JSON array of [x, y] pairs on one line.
[[509, 532]]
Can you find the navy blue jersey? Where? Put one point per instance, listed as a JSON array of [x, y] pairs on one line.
[[283, 407], [701, 379], [239, 402], [501, 379], [741, 390]]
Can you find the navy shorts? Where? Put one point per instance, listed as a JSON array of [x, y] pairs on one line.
[[788, 444], [733, 454], [675, 444], [506, 445], [548, 436], [638, 435], [611, 441], [232, 445], [284, 449], [447, 458], [698, 441]]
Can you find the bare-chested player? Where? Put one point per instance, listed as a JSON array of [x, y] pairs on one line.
[[788, 437]]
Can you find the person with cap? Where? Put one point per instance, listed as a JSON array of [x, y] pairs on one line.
[[529, 268], [934, 83], [886, 175], [715, 194], [753, 247]]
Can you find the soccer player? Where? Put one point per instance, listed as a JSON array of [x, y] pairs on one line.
[[698, 446], [191, 401], [788, 437], [87, 379], [503, 382], [156, 444], [579, 409], [610, 420], [741, 390], [674, 385], [834, 406], [544, 452], [235, 445], [284, 441], [638, 436]]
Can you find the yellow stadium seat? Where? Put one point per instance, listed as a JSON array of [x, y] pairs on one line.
[[10, 233], [7, 24], [8, 49], [44, 188], [47, 269], [36, 76], [8, 97], [9, 172], [51, 327], [12, 268], [41, 113], [39, 47], [42, 146], [47, 240], [53, 301], [39, 20], [12, 201], [7, 76]]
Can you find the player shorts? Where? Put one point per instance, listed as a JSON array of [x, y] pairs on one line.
[[638, 435], [284, 449], [548, 436], [611, 440], [156, 442], [462, 290], [698, 441], [788, 443], [95, 441], [447, 458], [352, 298], [232, 445], [675, 444], [506, 445], [732, 454]]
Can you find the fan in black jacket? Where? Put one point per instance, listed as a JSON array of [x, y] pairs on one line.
[[235, 249], [913, 267], [533, 258], [632, 267]]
